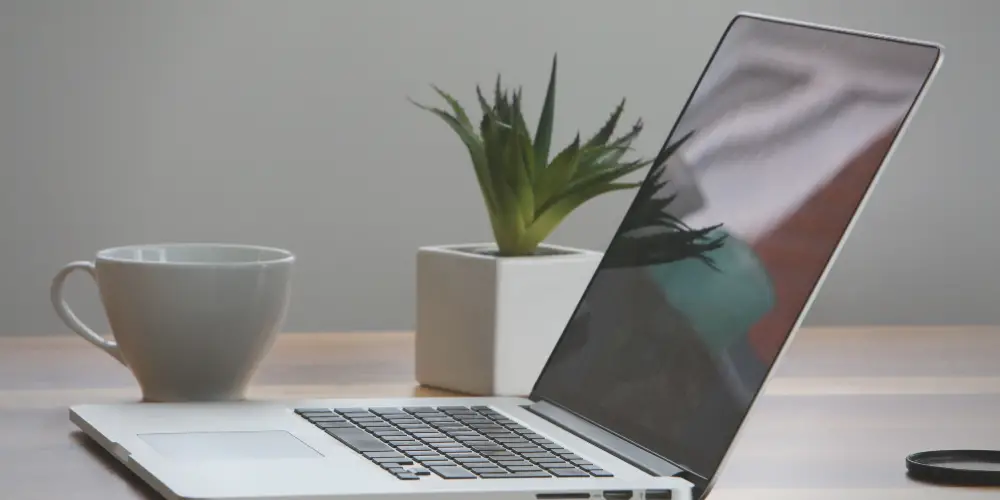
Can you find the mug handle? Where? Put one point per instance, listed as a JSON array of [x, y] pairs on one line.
[[70, 319]]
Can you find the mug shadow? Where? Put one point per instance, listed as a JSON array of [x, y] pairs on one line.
[[134, 482]]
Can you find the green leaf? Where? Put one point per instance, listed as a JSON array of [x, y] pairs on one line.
[[509, 221], [602, 135], [524, 141], [551, 180], [606, 174], [456, 108], [519, 179], [476, 152], [543, 133], [599, 156], [550, 218], [594, 180]]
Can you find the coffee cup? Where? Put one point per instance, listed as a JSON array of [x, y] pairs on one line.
[[191, 321]]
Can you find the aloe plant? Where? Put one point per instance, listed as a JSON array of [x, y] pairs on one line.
[[528, 194]]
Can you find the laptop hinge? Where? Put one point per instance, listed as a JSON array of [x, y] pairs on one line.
[[609, 442]]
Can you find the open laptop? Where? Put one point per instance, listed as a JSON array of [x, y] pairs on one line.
[[714, 265]]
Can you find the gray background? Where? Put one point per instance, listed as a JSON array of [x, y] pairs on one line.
[[286, 123]]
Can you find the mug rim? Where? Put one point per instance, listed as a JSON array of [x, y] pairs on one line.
[[281, 255]]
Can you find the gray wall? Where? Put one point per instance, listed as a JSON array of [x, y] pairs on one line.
[[285, 123]]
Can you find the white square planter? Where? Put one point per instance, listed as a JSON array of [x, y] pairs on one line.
[[485, 324]]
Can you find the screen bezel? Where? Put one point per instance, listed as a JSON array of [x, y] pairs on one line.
[[704, 484]]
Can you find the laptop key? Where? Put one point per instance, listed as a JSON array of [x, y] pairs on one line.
[[514, 463], [527, 449], [428, 453], [453, 451], [524, 468], [393, 460], [374, 426], [380, 411], [421, 472], [358, 440], [530, 474], [486, 470], [385, 435], [513, 440], [336, 425], [548, 464], [437, 463], [437, 445], [362, 413], [402, 441], [384, 454], [471, 460], [442, 439], [477, 441], [312, 410], [600, 473], [321, 417], [568, 473], [407, 476], [487, 447], [453, 472], [418, 409], [409, 448]]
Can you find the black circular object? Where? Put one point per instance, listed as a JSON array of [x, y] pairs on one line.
[[956, 467]]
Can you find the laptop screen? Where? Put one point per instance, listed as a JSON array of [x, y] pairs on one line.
[[730, 233]]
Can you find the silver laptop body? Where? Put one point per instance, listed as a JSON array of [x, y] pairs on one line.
[[693, 304]]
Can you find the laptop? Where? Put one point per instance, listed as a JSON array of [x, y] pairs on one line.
[[714, 264]]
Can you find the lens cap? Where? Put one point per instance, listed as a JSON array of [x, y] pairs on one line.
[[956, 467]]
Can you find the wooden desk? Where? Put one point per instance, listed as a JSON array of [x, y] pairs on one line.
[[843, 410]]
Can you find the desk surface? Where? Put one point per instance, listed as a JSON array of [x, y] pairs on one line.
[[844, 408]]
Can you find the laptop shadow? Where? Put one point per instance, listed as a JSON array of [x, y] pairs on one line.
[[135, 483]]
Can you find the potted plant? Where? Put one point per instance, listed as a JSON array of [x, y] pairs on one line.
[[489, 314]]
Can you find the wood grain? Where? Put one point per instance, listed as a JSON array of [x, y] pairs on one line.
[[844, 408]]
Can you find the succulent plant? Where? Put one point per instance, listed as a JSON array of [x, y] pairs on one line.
[[527, 193]]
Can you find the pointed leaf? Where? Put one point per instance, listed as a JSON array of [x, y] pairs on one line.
[[607, 174], [518, 176], [456, 108], [548, 220], [667, 150], [543, 133], [509, 220], [602, 135], [591, 182], [551, 180], [524, 137], [476, 152]]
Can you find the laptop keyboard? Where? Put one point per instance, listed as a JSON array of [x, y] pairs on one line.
[[451, 442]]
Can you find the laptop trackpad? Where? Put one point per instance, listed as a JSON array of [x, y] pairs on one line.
[[238, 445]]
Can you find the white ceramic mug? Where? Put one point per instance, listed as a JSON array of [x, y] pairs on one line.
[[190, 320]]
